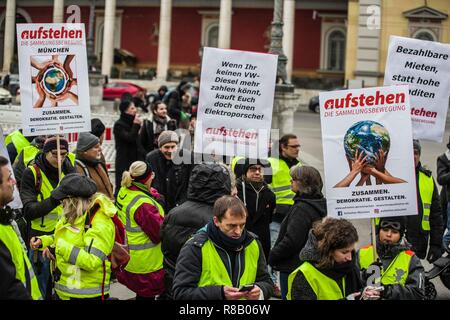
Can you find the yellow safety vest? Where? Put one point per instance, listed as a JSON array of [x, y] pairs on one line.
[[145, 256], [48, 222], [83, 261], [234, 162], [29, 153], [214, 272], [426, 188], [395, 273], [281, 181], [19, 141], [324, 287], [20, 259]]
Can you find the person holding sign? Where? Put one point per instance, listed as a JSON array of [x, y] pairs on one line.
[[40, 207], [398, 270], [427, 226]]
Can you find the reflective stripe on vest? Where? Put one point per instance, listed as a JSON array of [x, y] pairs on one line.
[[426, 188], [214, 272], [20, 259], [18, 140], [145, 256], [50, 219], [75, 281], [281, 181], [324, 287], [81, 291], [396, 272]]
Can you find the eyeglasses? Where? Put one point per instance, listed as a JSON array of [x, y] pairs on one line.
[[295, 146], [254, 169], [391, 225], [62, 154]]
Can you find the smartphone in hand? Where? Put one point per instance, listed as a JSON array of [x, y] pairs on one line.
[[247, 287]]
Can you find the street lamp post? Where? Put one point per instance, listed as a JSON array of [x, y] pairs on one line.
[[92, 58], [96, 79], [285, 98], [276, 41]]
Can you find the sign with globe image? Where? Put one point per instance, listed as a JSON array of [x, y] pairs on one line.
[[367, 137], [368, 154], [54, 80]]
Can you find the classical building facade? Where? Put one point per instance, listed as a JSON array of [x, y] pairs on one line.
[[372, 22], [167, 35]]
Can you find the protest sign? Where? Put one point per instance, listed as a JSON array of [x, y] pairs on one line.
[[54, 85], [235, 103], [16, 203], [425, 67], [368, 152]]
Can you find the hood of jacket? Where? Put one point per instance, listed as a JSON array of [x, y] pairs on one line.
[[319, 203], [310, 252], [106, 205], [208, 182]]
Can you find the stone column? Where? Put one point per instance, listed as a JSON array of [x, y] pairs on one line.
[[288, 35], [108, 37], [225, 24], [10, 25], [58, 11], [165, 21]]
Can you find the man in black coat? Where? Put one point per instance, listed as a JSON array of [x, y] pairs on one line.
[[427, 226], [221, 258], [259, 200], [126, 133], [443, 178], [171, 172], [207, 183]]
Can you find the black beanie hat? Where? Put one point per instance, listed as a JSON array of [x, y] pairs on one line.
[[51, 144], [97, 127], [251, 162], [123, 106]]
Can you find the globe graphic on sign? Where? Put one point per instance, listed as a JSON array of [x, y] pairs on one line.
[[367, 137], [54, 80]]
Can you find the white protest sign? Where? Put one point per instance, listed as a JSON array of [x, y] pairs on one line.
[[425, 67], [235, 103], [54, 84], [368, 152], [16, 203]]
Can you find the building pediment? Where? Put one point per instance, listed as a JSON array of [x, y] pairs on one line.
[[425, 12]]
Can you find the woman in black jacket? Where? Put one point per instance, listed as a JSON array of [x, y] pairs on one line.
[[126, 134], [309, 206]]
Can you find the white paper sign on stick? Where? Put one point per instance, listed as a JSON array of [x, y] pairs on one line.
[[235, 103], [425, 67], [368, 152], [54, 84]]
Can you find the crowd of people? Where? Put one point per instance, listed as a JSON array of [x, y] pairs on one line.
[[255, 229]]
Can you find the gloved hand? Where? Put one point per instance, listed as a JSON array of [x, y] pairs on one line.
[[434, 253]]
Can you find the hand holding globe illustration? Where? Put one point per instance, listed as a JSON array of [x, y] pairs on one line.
[[366, 145], [54, 81]]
